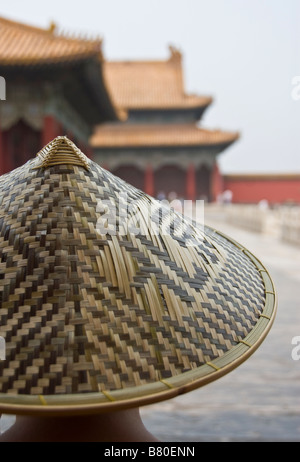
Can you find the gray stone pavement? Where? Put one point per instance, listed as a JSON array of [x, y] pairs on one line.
[[260, 400]]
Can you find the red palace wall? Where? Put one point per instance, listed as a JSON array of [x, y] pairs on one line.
[[276, 189]]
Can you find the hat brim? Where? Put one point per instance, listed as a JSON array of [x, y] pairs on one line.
[[101, 402]]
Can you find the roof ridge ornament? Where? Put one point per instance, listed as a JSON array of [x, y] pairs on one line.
[[62, 151], [175, 54], [52, 27]]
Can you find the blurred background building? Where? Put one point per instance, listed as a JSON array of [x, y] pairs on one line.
[[132, 117], [54, 86], [159, 147]]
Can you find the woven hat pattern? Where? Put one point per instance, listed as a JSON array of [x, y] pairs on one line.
[[83, 312]]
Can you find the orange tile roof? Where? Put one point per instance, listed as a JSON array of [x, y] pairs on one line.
[[150, 84], [142, 135], [21, 44]]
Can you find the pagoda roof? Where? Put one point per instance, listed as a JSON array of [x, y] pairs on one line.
[[25, 45], [45, 54], [150, 84], [122, 135]]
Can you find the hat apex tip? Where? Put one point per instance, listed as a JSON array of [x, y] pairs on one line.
[[61, 150]]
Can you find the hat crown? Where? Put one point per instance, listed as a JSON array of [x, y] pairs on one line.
[[61, 150]]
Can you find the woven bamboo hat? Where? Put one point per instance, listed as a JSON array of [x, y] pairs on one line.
[[100, 315]]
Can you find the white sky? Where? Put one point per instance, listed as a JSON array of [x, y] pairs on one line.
[[242, 52]]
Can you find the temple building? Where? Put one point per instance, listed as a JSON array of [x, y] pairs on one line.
[[158, 145], [132, 117], [54, 86]]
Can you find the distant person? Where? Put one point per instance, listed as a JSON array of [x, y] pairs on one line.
[[227, 197], [161, 196], [172, 196], [263, 204]]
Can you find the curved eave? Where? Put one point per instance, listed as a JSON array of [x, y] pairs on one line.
[[96, 82], [97, 142], [37, 62], [221, 146], [85, 69], [176, 106]]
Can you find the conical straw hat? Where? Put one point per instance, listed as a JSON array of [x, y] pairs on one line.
[[105, 306]]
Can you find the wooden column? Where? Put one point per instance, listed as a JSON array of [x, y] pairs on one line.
[[191, 183], [149, 181], [217, 186], [51, 129]]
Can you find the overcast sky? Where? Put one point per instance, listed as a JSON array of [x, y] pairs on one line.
[[244, 53]]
